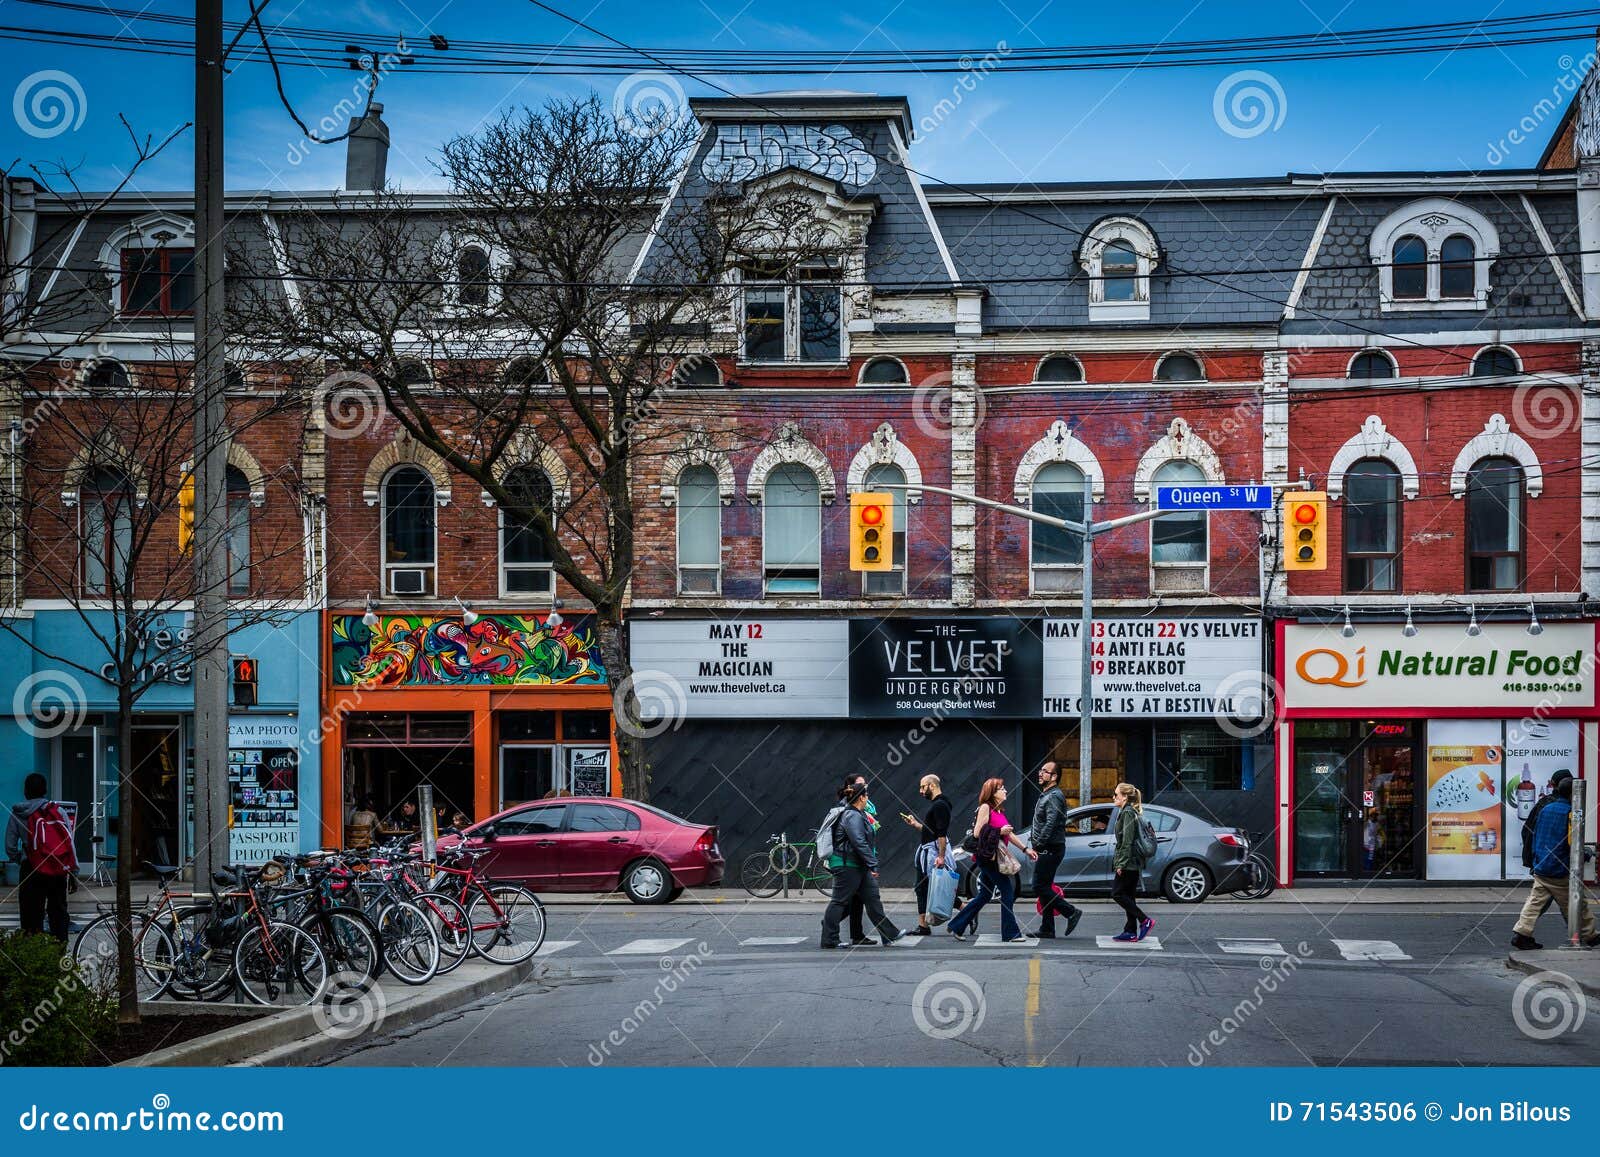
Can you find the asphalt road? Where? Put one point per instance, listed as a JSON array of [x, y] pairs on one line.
[[1223, 983]]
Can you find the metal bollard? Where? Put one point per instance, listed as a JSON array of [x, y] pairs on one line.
[[430, 830], [1575, 865]]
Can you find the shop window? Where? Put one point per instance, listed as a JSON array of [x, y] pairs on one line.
[[236, 539], [1494, 525], [158, 282], [1371, 527], [1059, 489], [699, 531], [1201, 757], [526, 773], [106, 522], [440, 728], [525, 725], [889, 582], [525, 564], [408, 532], [601, 817], [582, 726], [791, 531], [376, 727]]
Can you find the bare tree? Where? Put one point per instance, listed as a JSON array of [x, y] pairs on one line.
[[520, 295]]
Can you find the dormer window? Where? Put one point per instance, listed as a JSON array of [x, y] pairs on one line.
[[1119, 254], [795, 318], [157, 282], [473, 278], [1434, 254]]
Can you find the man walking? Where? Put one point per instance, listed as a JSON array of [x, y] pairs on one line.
[[1551, 852], [854, 864], [933, 842], [1048, 835], [40, 839]]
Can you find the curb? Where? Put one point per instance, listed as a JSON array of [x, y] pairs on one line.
[[292, 1037], [1552, 959]]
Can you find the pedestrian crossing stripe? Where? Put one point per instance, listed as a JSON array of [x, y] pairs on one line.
[[908, 941], [1149, 943], [1248, 947], [771, 941], [648, 947], [551, 947], [992, 940], [1370, 950]]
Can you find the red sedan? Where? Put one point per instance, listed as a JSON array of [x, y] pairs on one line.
[[596, 845]]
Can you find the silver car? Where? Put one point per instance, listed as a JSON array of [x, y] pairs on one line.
[[1194, 857]]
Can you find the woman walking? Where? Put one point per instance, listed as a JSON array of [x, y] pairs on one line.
[[994, 837], [1129, 863]]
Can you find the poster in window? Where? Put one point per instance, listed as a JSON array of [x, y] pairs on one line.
[[589, 770], [1466, 762], [263, 787], [1536, 749]]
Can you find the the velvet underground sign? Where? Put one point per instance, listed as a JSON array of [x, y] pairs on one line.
[[953, 668]]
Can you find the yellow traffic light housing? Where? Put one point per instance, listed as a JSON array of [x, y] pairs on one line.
[[871, 531], [186, 515], [1305, 530]]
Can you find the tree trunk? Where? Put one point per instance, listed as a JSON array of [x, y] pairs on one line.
[[127, 979], [631, 731]]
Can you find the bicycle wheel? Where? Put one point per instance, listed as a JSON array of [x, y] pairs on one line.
[[202, 965], [758, 875], [1259, 880], [410, 945], [450, 925], [95, 954], [350, 943], [282, 966], [509, 929], [822, 881]]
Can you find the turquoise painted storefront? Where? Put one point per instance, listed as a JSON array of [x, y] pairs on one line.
[[62, 722]]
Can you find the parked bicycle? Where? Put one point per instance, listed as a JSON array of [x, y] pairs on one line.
[[506, 920], [766, 873]]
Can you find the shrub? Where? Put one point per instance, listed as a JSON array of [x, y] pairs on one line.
[[48, 1014]]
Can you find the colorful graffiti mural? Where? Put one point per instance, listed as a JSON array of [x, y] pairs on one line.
[[443, 651]]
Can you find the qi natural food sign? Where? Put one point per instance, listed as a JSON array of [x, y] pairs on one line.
[[1440, 666]]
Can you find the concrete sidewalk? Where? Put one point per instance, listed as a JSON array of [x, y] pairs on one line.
[[1581, 966]]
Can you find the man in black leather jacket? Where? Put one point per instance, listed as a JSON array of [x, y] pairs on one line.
[[855, 873], [1048, 835]]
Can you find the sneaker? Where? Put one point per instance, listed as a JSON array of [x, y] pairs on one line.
[[1526, 943], [897, 936], [1126, 937], [920, 930], [962, 936], [1144, 927], [863, 942], [1072, 919]]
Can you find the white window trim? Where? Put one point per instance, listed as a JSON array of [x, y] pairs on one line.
[[821, 502], [861, 378], [1374, 441], [789, 445], [455, 247], [526, 448], [502, 567], [431, 568], [1490, 348], [1059, 444], [718, 465], [1147, 256], [791, 321], [1497, 440], [1433, 219], [1083, 378], [1380, 351], [152, 231], [1200, 364]]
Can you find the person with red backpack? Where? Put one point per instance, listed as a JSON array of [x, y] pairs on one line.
[[39, 837]]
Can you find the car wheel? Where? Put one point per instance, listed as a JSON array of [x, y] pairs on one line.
[[648, 882], [674, 894], [1187, 882]]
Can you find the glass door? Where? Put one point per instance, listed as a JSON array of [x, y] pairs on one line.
[[529, 772], [77, 780], [1387, 836], [1321, 811]]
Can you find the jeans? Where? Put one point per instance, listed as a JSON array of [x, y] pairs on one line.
[[41, 896], [991, 878], [1125, 891], [1051, 901], [852, 883]]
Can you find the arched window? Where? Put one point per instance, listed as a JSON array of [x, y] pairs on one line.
[[524, 561], [106, 525], [1119, 254], [1059, 368], [1371, 527], [1410, 269], [108, 374], [697, 371], [526, 371], [1180, 368], [699, 531], [408, 532], [884, 372], [472, 276], [1059, 489], [236, 539], [1495, 362], [413, 374], [1456, 271], [1494, 525], [1179, 538], [1371, 365], [791, 531], [889, 582]]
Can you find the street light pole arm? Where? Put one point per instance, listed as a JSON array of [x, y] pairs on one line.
[[1067, 524]]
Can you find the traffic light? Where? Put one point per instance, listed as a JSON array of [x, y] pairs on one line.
[[871, 531], [1305, 530], [186, 515], [245, 672]]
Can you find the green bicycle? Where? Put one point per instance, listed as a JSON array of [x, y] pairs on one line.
[[766, 873]]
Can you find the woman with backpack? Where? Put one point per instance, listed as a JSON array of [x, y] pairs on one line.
[[1129, 860], [40, 839], [997, 867]]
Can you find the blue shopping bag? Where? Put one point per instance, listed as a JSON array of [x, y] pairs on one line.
[[942, 893]]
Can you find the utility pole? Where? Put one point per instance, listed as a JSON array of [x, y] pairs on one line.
[[210, 626]]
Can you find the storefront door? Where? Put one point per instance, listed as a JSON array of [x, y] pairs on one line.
[[1355, 799]]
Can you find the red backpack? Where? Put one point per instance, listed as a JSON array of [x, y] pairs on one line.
[[50, 842]]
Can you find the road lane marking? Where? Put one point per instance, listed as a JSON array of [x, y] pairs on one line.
[[1149, 943], [551, 947], [908, 941], [771, 941], [1031, 1009], [1370, 950], [992, 940], [1248, 947], [648, 947]]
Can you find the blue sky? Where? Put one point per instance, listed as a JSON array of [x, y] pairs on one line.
[[1443, 111]]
